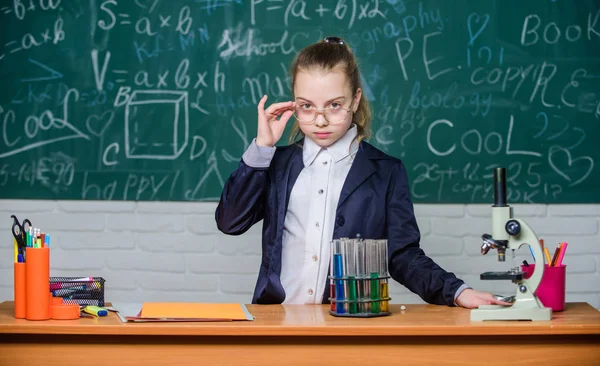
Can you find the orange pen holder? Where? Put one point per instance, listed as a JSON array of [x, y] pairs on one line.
[[33, 298], [20, 295], [37, 283]]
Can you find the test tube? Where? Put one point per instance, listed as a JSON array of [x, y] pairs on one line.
[[332, 251], [350, 265], [345, 253], [338, 272], [383, 274], [373, 270], [361, 274]]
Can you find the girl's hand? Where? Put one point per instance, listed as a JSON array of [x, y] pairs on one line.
[[270, 128], [471, 299]]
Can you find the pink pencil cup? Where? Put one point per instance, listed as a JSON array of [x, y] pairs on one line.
[[551, 290]]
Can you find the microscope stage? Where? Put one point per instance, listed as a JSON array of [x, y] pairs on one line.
[[508, 275]]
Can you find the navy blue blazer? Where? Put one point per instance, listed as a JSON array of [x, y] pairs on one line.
[[374, 202]]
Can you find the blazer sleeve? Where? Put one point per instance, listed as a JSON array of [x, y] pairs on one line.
[[242, 202], [408, 263]]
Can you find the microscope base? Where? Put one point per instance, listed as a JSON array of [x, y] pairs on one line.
[[499, 312]]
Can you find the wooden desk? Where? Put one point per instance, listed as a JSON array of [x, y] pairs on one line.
[[307, 335]]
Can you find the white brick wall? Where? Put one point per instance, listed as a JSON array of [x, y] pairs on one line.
[[159, 251]]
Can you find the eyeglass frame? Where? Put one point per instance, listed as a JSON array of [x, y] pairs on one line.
[[323, 111]]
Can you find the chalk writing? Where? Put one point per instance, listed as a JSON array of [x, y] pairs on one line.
[[156, 100]]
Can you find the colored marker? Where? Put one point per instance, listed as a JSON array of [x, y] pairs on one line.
[[95, 310]]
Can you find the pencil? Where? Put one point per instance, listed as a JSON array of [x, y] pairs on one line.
[[547, 255]]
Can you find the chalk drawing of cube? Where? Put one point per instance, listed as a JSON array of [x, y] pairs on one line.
[[156, 124]]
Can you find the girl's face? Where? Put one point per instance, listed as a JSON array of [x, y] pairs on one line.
[[326, 95]]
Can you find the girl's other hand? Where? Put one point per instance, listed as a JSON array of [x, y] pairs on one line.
[[270, 128], [471, 299]]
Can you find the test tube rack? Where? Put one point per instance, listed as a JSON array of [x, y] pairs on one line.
[[359, 278]]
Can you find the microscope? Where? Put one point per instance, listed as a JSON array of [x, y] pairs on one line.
[[511, 233]]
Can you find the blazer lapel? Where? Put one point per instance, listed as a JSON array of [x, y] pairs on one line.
[[285, 180], [362, 168]]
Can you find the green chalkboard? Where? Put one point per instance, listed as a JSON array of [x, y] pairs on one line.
[[156, 99]]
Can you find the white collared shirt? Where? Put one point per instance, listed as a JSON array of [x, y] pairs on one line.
[[306, 246], [310, 218]]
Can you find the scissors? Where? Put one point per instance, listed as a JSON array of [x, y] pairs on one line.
[[19, 231]]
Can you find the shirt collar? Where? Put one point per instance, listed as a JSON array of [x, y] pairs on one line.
[[346, 145]]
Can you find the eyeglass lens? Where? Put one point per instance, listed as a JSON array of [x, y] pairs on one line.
[[332, 115]]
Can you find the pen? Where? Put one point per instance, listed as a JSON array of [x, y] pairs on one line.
[[75, 284], [16, 251]]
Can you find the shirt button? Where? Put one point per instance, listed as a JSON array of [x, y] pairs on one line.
[[320, 191], [317, 225], [315, 258], [324, 163], [310, 291]]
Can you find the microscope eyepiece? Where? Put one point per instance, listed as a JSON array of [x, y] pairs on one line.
[[500, 187]]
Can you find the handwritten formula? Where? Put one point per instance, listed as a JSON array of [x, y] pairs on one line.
[[156, 99]]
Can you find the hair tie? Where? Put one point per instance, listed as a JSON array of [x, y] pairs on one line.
[[334, 40]]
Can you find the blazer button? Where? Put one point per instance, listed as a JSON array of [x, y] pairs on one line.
[[341, 221]]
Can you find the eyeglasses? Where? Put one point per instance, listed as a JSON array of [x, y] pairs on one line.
[[334, 113], [334, 40]]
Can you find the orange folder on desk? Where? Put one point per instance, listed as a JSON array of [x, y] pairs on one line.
[[181, 311]]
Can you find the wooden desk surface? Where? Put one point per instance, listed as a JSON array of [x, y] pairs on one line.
[[314, 320], [307, 335]]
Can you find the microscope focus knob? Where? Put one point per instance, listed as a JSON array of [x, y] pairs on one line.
[[513, 227]]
